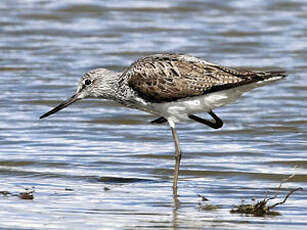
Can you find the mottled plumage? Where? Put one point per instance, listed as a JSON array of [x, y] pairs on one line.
[[169, 77], [173, 87]]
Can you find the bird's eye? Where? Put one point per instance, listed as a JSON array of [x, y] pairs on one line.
[[87, 82]]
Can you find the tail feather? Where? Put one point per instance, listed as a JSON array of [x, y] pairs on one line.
[[271, 75]]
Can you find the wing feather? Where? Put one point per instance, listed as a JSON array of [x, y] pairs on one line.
[[169, 77]]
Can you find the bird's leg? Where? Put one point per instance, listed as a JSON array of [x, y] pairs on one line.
[[159, 120], [215, 125], [177, 158]]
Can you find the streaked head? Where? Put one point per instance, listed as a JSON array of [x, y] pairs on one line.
[[95, 83]]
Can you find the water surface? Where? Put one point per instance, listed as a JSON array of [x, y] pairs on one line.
[[97, 165]]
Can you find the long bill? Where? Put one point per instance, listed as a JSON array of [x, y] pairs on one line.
[[61, 106]]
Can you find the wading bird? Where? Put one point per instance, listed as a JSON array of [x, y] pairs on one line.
[[173, 87]]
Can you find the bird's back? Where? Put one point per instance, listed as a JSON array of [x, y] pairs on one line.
[[170, 77]]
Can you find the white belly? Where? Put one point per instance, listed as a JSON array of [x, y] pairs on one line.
[[180, 109]]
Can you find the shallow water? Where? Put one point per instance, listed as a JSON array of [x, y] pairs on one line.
[[97, 165]]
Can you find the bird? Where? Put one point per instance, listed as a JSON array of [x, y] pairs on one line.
[[174, 87]]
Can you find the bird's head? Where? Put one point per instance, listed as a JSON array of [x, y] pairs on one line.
[[95, 83]]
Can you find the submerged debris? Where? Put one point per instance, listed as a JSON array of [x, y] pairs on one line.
[[27, 195], [261, 208], [205, 205], [106, 189], [5, 193], [203, 198]]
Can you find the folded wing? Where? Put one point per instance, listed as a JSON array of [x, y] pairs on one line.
[[169, 77]]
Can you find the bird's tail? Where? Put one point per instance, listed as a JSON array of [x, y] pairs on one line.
[[271, 75]]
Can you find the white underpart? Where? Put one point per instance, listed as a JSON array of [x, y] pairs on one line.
[[171, 123], [179, 110]]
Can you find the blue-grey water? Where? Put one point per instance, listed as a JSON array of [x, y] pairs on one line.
[[97, 165]]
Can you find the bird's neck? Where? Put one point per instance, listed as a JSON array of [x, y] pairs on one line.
[[110, 87]]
